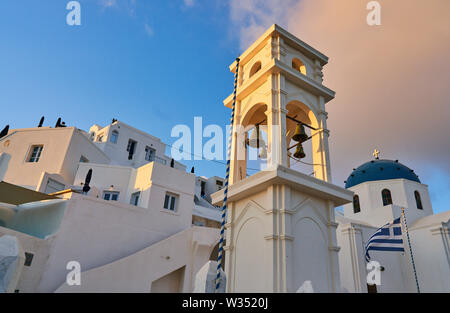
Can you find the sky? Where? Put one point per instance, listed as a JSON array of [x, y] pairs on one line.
[[156, 64]]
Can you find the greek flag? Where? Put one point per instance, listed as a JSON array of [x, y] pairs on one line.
[[386, 238]]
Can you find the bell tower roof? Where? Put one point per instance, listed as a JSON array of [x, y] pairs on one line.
[[288, 38], [278, 51]]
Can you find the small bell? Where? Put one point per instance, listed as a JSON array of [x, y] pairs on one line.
[[300, 134], [256, 139], [263, 153], [299, 153]]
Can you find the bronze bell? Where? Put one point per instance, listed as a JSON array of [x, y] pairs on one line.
[[300, 133], [299, 153]]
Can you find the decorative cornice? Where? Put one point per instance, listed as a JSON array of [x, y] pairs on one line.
[[440, 231], [334, 248], [271, 237], [286, 237], [287, 211], [351, 230], [332, 224], [274, 91]]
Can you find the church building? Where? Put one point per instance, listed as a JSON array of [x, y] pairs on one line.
[[381, 189]]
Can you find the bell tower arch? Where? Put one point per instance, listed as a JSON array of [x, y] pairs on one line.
[[280, 88]]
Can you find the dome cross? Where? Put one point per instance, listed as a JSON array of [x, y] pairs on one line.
[[376, 153]]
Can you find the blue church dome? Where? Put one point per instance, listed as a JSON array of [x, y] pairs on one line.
[[380, 170]]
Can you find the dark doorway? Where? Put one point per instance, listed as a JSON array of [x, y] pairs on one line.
[[372, 288]]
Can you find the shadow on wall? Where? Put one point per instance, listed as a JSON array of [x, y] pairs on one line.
[[39, 219]]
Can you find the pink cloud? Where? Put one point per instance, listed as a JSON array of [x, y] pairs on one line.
[[391, 81]]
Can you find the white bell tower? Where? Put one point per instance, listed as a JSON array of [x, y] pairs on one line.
[[280, 229]]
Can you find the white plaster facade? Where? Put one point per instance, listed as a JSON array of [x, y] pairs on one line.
[[116, 147], [98, 233], [281, 232], [62, 150]]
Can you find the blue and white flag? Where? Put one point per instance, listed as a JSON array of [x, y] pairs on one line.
[[386, 238]]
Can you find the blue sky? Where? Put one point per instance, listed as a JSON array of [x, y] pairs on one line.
[[112, 66], [151, 64]]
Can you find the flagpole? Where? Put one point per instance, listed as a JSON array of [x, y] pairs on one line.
[[410, 250]]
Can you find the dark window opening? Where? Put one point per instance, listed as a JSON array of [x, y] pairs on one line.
[[387, 198], [28, 258], [371, 288], [255, 68], [203, 187], [150, 154], [418, 200], [356, 206], [131, 148]]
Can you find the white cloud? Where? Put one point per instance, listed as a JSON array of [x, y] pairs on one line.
[[128, 6], [189, 3], [252, 17], [149, 30], [108, 3]]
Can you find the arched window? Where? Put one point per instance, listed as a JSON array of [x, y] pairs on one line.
[[386, 195], [114, 136], [299, 66], [418, 200], [356, 207], [255, 68]]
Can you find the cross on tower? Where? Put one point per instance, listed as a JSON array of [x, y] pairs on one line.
[[376, 154]]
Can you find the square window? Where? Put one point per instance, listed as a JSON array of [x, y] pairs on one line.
[[131, 145], [114, 136], [170, 202], [35, 153], [135, 198], [111, 195], [150, 154]]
